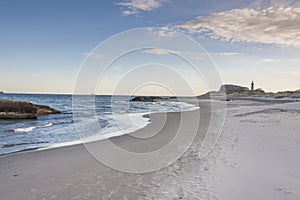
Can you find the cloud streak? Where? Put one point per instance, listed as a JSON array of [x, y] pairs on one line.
[[229, 53], [132, 7], [163, 32], [279, 26], [267, 60], [158, 51]]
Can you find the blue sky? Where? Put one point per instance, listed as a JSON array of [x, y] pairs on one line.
[[43, 43]]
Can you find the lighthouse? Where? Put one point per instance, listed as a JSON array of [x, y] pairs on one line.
[[252, 86]]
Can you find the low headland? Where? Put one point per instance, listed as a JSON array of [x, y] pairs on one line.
[[237, 92], [229, 92]]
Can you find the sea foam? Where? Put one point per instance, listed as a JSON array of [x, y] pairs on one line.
[[31, 128]]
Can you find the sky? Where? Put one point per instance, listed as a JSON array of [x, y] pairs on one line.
[[45, 44]]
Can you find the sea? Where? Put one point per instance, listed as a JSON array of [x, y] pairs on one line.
[[114, 115]]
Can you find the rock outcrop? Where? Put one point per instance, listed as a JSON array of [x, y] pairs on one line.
[[146, 98], [229, 89], [23, 110], [153, 98]]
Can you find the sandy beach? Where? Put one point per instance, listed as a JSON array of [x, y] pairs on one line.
[[256, 157], [150, 100]]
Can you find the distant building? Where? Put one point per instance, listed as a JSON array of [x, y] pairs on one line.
[[252, 86]]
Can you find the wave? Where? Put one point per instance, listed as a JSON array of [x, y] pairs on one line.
[[112, 123], [124, 125], [31, 128]]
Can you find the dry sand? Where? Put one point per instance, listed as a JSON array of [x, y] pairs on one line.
[[257, 157]]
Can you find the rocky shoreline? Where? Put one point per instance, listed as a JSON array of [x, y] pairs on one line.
[[230, 92], [23, 110]]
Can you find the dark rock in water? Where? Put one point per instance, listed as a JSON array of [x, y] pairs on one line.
[[23, 110], [45, 110], [146, 98]]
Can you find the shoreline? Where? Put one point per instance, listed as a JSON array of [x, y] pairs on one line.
[[109, 135]]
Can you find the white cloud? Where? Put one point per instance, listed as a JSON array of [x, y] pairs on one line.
[[267, 60], [280, 26], [274, 3], [129, 12], [229, 53], [188, 54], [158, 51], [163, 32], [132, 7]]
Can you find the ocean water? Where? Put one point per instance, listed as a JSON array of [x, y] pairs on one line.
[[114, 115]]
